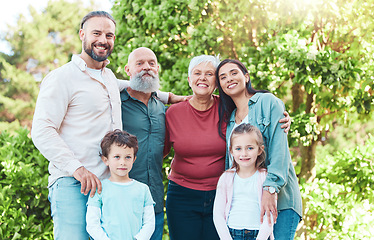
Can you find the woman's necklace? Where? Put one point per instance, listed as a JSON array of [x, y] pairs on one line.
[[239, 117]]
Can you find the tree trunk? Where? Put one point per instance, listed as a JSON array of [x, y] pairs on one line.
[[297, 95], [307, 155], [308, 161]]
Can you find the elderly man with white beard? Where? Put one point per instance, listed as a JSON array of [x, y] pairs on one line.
[[143, 115]]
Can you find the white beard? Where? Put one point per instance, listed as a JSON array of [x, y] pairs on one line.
[[146, 84]]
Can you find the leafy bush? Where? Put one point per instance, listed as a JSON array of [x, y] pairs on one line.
[[339, 202], [24, 207]]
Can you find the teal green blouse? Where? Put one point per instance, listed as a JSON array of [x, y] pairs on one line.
[[264, 111]]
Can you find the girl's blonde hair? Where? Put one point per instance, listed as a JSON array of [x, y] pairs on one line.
[[248, 128]]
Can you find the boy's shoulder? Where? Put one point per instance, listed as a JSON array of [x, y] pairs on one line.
[[139, 184]]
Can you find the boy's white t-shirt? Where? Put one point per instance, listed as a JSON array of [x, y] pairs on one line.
[[245, 206]]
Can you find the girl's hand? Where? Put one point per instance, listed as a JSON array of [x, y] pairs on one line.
[[269, 205]]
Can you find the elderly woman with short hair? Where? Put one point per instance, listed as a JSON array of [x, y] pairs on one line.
[[199, 160]]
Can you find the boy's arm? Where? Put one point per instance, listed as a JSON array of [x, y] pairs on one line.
[[149, 221], [93, 227]]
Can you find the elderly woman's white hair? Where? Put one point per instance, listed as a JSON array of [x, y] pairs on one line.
[[214, 60]]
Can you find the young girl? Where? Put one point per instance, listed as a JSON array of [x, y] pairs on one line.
[[124, 209], [236, 212]]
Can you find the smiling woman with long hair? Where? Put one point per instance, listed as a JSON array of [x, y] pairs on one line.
[[243, 104]]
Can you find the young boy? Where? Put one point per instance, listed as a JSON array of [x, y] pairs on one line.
[[124, 209]]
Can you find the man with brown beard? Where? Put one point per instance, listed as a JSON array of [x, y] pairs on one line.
[[77, 105]]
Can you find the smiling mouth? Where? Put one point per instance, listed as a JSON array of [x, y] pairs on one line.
[[202, 85], [232, 85], [101, 47]]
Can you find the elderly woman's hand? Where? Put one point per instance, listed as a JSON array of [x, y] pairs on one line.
[[287, 122]]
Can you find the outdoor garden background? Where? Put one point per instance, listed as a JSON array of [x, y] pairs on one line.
[[316, 55]]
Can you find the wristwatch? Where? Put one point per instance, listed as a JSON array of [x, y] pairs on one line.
[[271, 190]]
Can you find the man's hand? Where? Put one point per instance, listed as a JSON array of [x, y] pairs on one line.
[[89, 181], [269, 204], [287, 122], [176, 98]]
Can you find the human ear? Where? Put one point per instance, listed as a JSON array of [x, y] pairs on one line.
[[260, 150], [246, 78], [127, 70], [81, 34], [231, 150], [105, 160]]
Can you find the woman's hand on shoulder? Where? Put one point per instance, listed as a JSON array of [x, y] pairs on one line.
[[287, 122]]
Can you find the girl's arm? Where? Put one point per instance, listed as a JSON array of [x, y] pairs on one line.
[[93, 227], [266, 229], [148, 224], [219, 207]]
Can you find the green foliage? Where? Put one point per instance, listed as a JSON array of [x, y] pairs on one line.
[[39, 45], [339, 202], [170, 28], [54, 31], [18, 94], [24, 207]]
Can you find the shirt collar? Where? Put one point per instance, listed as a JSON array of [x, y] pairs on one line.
[[254, 99], [125, 95], [77, 60]]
